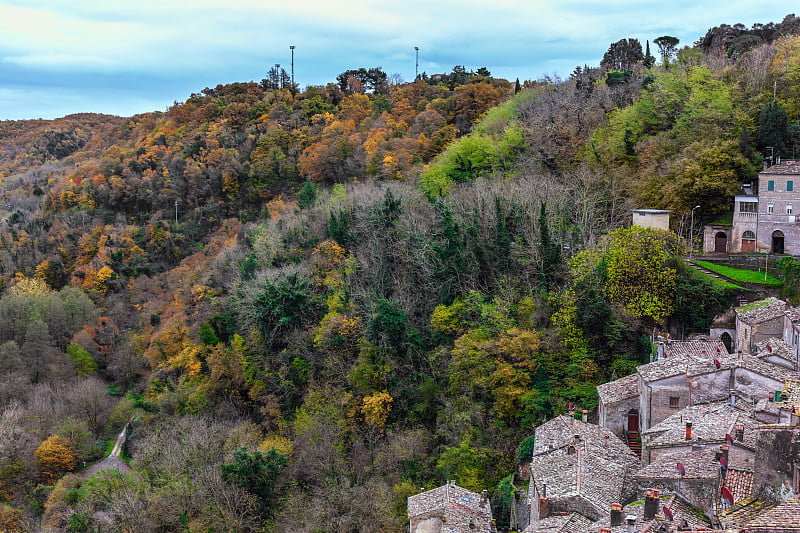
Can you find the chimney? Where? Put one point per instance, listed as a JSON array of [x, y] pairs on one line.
[[585, 415], [616, 514], [484, 497], [733, 397], [630, 520], [725, 448], [544, 507], [651, 504], [688, 431], [771, 396], [605, 530]]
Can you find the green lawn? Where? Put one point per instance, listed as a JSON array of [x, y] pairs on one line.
[[738, 274], [718, 282]]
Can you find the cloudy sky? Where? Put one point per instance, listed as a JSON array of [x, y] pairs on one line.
[[124, 57]]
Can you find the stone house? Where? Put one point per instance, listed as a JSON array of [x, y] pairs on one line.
[[577, 467], [618, 405], [783, 518], [758, 322], [764, 217], [450, 509]]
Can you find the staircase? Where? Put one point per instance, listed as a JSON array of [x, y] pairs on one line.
[[634, 442]]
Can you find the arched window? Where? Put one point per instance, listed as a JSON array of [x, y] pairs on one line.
[[748, 235]]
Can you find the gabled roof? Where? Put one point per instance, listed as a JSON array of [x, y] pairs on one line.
[[700, 464], [710, 422], [681, 364], [788, 166], [740, 483], [680, 511], [554, 436], [705, 349], [775, 347], [761, 311], [618, 390], [570, 523], [783, 517], [445, 496], [596, 480], [740, 513], [759, 366]]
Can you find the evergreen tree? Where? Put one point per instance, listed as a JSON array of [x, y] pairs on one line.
[[773, 129], [649, 60]]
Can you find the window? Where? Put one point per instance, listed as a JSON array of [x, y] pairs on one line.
[[748, 235], [748, 207], [771, 185], [770, 208], [789, 185], [673, 401], [788, 209]]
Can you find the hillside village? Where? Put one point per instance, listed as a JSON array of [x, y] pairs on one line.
[[703, 437], [698, 439]]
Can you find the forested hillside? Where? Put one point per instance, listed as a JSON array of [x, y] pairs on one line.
[[313, 303]]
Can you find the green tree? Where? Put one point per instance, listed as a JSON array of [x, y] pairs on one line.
[[773, 130], [307, 195], [642, 271], [667, 45], [257, 473], [622, 55]]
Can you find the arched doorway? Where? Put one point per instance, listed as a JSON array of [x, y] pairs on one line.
[[777, 242], [727, 341], [748, 241], [633, 420], [721, 243]]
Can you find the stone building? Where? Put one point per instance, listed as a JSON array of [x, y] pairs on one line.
[[651, 218], [618, 405], [450, 509], [758, 322], [764, 217]]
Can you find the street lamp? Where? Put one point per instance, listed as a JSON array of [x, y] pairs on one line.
[[691, 234]]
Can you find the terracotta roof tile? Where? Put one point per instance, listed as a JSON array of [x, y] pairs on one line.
[[742, 512], [554, 436], [570, 523], [740, 483], [706, 349]]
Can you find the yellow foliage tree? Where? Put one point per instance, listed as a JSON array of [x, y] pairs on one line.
[[376, 408], [55, 456], [104, 275], [29, 286]]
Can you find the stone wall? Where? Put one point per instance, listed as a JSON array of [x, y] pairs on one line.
[[777, 457]]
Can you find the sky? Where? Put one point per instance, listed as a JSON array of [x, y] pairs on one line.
[[125, 57]]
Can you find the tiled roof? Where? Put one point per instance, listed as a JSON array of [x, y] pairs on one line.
[[793, 314], [767, 369], [783, 517], [740, 513], [441, 497], [785, 167], [710, 422], [776, 348], [554, 436], [570, 523], [599, 481], [740, 483], [699, 464], [706, 349], [683, 364], [618, 390], [680, 511], [761, 311]]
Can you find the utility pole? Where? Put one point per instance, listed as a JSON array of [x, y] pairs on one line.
[[291, 47], [416, 65]]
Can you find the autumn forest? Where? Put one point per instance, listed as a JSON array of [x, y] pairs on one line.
[[310, 304]]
